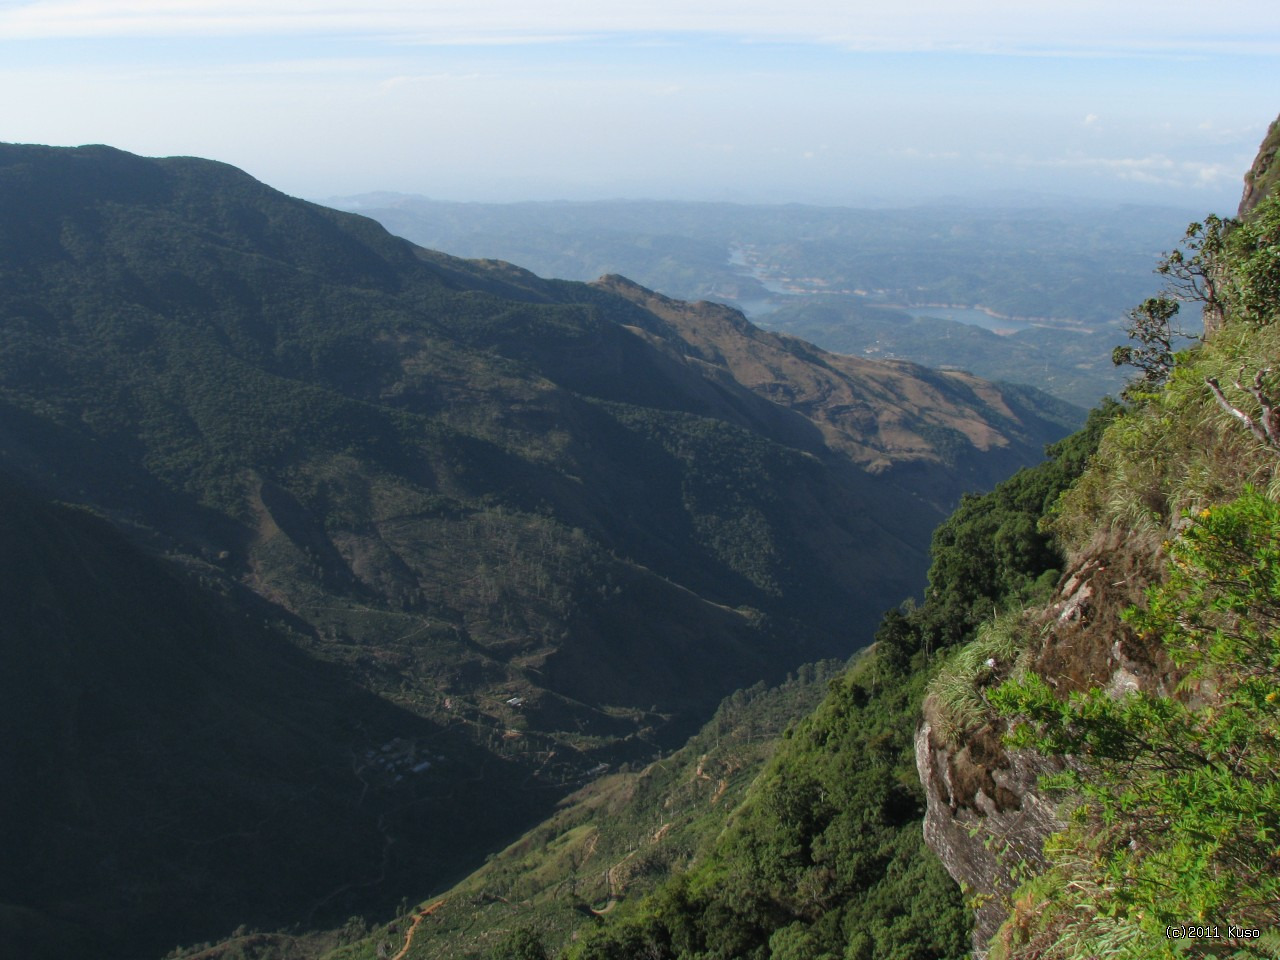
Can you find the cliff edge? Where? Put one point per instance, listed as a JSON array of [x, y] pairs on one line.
[[1100, 769]]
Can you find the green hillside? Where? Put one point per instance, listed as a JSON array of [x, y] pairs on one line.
[[616, 839], [173, 765], [548, 524], [1138, 706]]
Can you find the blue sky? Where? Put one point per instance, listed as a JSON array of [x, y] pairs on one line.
[[812, 101]]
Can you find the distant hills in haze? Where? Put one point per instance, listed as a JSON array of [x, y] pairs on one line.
[[325, 547], [860, 281]]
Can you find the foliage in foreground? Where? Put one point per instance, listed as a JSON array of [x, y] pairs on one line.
[[1172, 846], [1177, 803]]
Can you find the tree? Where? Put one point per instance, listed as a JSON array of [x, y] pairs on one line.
[[1196, 275], [520, 944], [1151, 326], [1193, 274]]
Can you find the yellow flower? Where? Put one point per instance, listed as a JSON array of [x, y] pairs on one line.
[[1204, 514]]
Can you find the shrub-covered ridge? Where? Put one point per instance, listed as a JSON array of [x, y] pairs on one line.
[[1165, 763]]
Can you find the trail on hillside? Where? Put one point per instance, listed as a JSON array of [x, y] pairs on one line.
[[413, 928]]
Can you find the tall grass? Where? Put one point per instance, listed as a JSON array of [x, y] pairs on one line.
[[957, 692]]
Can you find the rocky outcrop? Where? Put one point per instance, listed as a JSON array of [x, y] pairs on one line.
[[1265, 172], [987, 818], [980, 836]]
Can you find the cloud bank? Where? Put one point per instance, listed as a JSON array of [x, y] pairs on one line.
[[1174, 27]]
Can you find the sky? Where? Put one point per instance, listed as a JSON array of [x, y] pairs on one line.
[[815, 101]]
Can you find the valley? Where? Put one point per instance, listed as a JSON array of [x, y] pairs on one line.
[[538, 529], [646, 481], [349, 580]]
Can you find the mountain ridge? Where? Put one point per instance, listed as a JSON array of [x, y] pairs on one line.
[[517, 510]]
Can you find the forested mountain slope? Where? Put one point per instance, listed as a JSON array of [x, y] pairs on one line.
[[549, 523]]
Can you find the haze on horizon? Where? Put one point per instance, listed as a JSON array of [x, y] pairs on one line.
[[816, 101]]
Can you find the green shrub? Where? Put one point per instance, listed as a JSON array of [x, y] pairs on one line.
[[1253, 248], [1176, 809]]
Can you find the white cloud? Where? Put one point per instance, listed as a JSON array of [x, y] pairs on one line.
[[915, 153], [494, 39], [1156, 169], [993, 26]]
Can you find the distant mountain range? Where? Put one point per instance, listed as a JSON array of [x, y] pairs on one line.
[[867, 282], [356, 542]]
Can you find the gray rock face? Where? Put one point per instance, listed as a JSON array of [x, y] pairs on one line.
[[987, 819], [1263, 175], [979, 839]]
